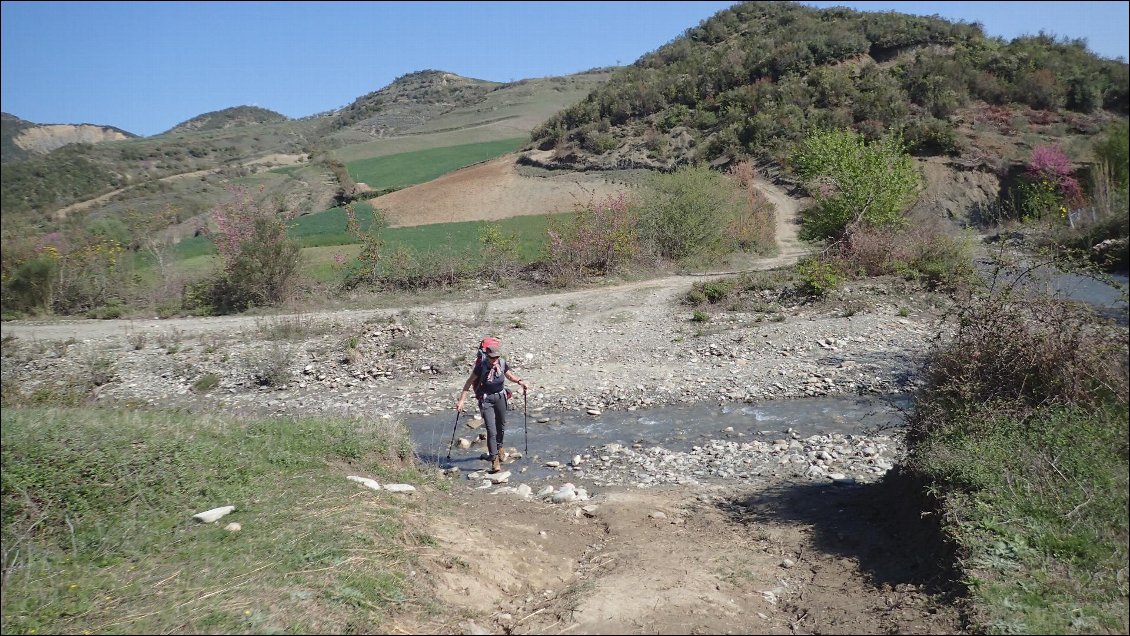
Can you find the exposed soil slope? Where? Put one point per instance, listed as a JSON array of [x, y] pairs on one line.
[[490, 191]]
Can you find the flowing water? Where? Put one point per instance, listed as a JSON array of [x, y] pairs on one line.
[[677, 428]]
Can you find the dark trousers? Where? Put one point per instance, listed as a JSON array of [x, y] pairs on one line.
[[493, 409]]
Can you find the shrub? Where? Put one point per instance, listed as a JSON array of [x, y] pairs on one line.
[[112, 309], [137, 340], [817, 278], [854, 181], [282, 328], [406, 269], [924, 251], [98, 369], [1018, 352], [695, 296], [272, 367], [205, 383], [500, 250], [931, 137], [366, 266], [1113, 149], [687, 214], [260, 262], [716, 291], [1049, 165], [597, 239], [753, 228]]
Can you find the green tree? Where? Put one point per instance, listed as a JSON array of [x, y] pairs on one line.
[[1114, 150], [854, 182]]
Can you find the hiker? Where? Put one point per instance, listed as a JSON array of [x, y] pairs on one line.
[[489, 376]]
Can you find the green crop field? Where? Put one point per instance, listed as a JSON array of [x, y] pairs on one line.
[[318, 233], [410, 168]]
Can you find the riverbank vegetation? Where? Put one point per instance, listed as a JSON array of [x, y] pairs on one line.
[[1020, 434]]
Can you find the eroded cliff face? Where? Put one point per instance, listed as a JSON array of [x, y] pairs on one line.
[[44, 139]]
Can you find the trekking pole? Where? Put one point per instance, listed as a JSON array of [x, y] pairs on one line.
[[526, 422], [456, 427]]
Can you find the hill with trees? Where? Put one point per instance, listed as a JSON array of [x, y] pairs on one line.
[[755, 78], [228, 118]]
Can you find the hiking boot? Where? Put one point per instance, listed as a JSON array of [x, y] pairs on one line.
[[495, 464]]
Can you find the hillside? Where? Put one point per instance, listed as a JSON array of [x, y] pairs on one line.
[[24, 140], [443, 106], [411, 100], [755, 78], [228, 118], [190, 167]]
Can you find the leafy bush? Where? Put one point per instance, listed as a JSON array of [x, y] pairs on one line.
[[205, 383], [1113, 149], [717, 291], [753, 228], [854, 182], [31, 288], [597, 239], [365, 267], [260, 262], [685, 214], [931, 137], [500, 251], [273, 366], [817, 278], [924, 251], [1021, 351]]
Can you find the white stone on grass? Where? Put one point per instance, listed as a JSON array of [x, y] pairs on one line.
[[210, 516], [365, 481]]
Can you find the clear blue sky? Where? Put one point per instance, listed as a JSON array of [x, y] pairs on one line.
[[147, 66]]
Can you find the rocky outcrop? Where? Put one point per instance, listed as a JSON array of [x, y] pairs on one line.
[[43, 139]]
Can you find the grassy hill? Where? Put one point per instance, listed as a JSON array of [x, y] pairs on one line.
[[228, 118], [190, 167]]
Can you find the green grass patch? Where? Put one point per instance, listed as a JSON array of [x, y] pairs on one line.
[[410, 168], [1039, 508], [464, 236], [98, 535], [324, 237]]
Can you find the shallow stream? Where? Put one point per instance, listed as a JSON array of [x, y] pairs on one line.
[[675, 428]]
